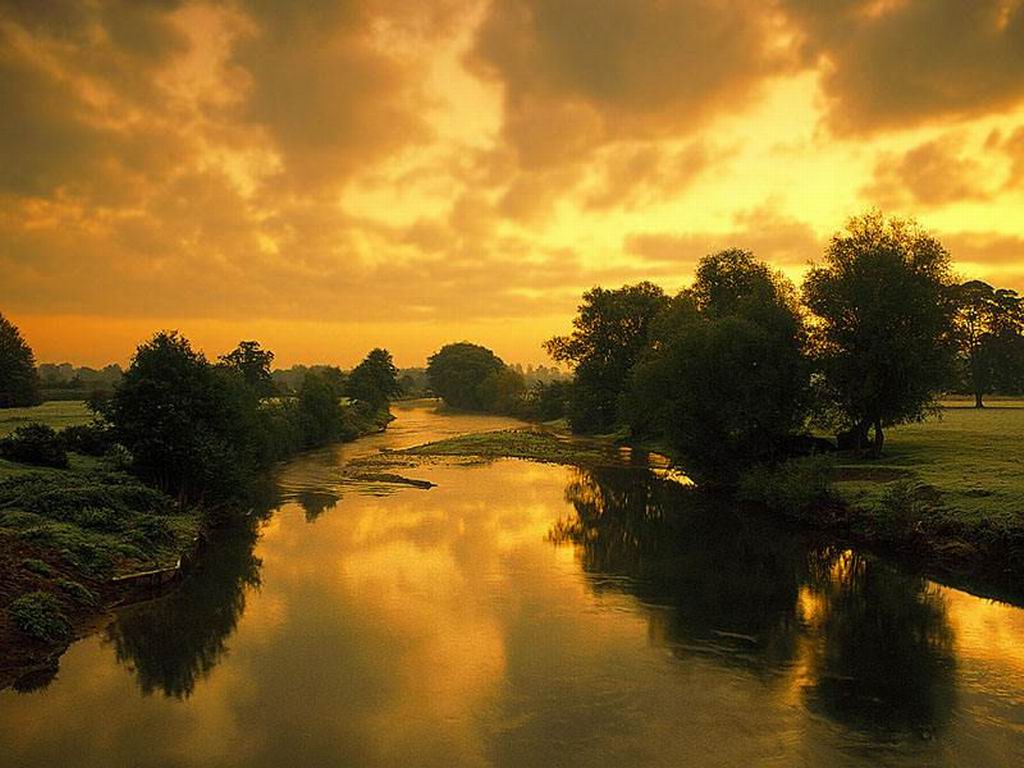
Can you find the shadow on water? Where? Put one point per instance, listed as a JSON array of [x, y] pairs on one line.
[[873, 645], [174, 642]]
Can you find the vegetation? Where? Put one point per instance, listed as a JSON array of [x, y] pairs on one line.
[[471, 377], [520, 444], [57, 414], [35, 444], [38, 615], [990, 332], [19, 381], [252, 363], [374, 382], [610, 333], [883, 307]]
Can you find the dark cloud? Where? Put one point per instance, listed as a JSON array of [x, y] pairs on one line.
[[578, 74], [896, 63]]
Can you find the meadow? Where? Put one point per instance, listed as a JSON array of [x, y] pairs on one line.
[[54, 413]]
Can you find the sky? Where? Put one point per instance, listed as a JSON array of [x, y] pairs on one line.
[[327, 177]]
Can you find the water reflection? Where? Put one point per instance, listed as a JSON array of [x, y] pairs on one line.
[[315, 503], [874, 646], [174, 642]]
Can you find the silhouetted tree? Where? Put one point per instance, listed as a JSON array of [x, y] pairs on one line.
[[375, 380], [321, 416], [883, 304], [990, 332], [726, 379], [252, 363], [610, 331], [457, 372], [19, 382]]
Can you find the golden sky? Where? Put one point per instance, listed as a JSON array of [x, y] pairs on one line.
[[331, 176]]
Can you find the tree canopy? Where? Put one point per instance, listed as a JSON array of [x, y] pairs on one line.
[[883, 308], [252, 363], [610, 331], [472, 377], [990, 333], [19, 381], [375, 380]]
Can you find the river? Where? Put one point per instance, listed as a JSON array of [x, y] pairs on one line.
[[522, 614]]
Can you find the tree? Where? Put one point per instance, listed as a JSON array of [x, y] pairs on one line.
[[990, 333], [252, 363], [375, 380], [190, 426], [19, 382], [883, 305], [456, 372], [610, 331], [321, 416], [725, 380]]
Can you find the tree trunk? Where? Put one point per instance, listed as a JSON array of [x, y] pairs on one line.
[[879, 439], [978, 400]]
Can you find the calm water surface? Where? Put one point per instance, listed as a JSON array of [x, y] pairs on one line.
[[530, 615]]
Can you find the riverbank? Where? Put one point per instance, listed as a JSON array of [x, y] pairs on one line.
[[948, 494], [77, 541]]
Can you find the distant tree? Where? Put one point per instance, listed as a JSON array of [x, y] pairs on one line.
[[19, 382], [502, 391], [375, 380], [321, 416], [252, 363], [610, 332], [883, 302], [725, 380], [990, 334], [457, 371]]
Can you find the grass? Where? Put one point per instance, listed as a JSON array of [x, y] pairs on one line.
[[543, 446], [54, 413], [971, 458]]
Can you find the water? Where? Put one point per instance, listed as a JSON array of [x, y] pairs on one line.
[[530, 615]]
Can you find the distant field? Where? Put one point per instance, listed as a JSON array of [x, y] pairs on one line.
[[973, 457], [55, 413]]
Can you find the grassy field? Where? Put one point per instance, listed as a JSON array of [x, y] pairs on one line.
[[972, 458], [54, 413]]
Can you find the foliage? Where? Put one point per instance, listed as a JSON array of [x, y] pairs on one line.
[[546, 401], [95, 439], [19, 382], [188, 425], [39, 615], [989, 326], [375, 380], [473, 378], [35, 444], [250, 361], [798, 488], [725, 381], [321, 417], [610, 331], [882, 301]]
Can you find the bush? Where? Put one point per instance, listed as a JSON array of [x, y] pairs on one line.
[[90, 439], [35, 444], [81, 595], [796, 488], [37, 567], [39, 615]]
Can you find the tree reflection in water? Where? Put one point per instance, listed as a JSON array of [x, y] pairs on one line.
[[174, 642], [875, 645], [315, 503]]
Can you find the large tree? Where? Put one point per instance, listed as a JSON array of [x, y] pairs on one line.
[[610, 332], [375, 380], [725, 380], [883, 304], [469, 376], [19, 381]]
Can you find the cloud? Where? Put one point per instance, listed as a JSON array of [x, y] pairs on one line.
[[931, 174], [889, 64], [775, 238], [579, 74]]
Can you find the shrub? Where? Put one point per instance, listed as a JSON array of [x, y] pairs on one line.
[[795, 488], [35, 444], [39, 615], [37, 567], [79, 594], [90, 439]]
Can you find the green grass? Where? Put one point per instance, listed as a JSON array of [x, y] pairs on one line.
[[973, 459], [54, 413]]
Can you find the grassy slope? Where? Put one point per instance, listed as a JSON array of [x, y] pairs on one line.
[[55, 413]]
